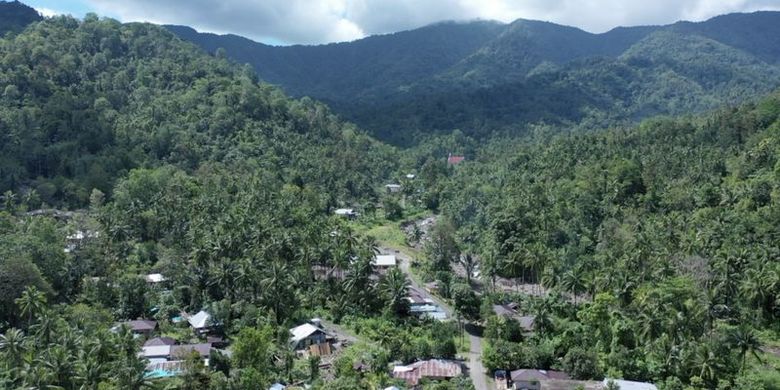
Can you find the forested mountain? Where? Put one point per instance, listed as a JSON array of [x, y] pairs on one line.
[[486, 77], [669, 230], [84, 103], [15, 16]]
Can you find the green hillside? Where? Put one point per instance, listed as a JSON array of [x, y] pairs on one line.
[[84, 103]]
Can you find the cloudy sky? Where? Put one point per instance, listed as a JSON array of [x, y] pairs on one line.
[[322, 21]]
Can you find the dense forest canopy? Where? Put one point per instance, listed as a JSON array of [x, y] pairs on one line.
[[85, 102]]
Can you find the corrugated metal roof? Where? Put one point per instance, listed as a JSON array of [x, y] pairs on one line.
[[433, 368]]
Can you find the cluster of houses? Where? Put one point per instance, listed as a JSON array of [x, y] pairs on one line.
[[532, 379], [166, 355]]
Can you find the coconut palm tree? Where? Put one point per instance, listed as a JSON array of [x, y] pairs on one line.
[[744, 339], [395, 288], [31, 303]]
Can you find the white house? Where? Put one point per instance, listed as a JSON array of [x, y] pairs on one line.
[[154, 278], [385, 261], [200, 321], [306, 335], [348, 213]]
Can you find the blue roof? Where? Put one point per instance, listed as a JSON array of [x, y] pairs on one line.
[[159, 373]]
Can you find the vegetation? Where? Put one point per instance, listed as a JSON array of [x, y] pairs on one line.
[[645, 252]]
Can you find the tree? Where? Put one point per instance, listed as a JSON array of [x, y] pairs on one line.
[[254, 349], [580, 364], [441, 248], [395, 288], [16, 274], [466, 302], [31, 303], [744, 339]]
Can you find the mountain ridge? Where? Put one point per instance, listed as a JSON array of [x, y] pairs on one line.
[[504, 77]]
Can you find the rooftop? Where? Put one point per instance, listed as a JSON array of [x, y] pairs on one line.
[[303, 331], [629, 385], [434, 368], [385, 261]]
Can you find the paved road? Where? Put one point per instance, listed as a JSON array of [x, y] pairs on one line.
[[474, 362], [476, 369]]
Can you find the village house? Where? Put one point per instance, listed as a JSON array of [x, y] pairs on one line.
[[434, 369], [307, 335], [139, 328], [201, 322], [454, 160], [510, 311], [346, 213], [167, 360], [421, 305], [384, 261], [532, 379], [155, 278]]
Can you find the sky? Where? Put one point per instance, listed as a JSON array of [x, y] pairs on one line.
[[324, 21]]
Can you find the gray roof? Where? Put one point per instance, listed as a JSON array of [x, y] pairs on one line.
[[141, 325], [526, 374], [160, 341]]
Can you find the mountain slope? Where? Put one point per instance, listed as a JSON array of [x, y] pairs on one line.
[[509, 76], [85, 102], [15, 16], [332, 71]]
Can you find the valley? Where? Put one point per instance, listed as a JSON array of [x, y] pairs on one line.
[[461, 206]]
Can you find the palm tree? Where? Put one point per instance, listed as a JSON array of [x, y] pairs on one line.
[[395, 287], [744, 338], [277, 287], [573, 282], [31, 303], [13, 345]]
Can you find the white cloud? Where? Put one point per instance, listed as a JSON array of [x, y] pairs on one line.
[[320, 21], [48, 12]]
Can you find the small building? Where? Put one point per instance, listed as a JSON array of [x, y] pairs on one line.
[[630, 385], [200, 322], [154, 278], [277, 386], [434, 369], [143, 328], [385, 261], [410, 176], [393, 188], [423, 306], [346, 213], [171, 353], [305, 335], [455, 160], [510, 311], [532, 379]]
